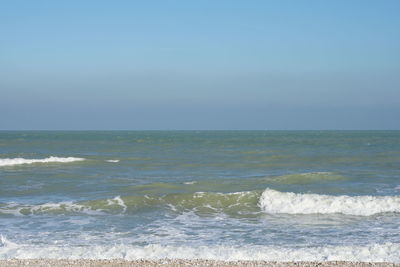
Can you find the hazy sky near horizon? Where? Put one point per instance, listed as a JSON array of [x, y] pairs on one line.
[[166, 65]]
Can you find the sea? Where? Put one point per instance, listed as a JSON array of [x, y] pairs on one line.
[[223, 195]]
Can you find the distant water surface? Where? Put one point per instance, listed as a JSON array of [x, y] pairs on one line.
[[270, 195]]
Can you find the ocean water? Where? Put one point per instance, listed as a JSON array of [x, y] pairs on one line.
[[228, 195]]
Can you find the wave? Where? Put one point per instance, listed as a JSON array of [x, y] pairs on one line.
[[112, 160], [19, 161], [246, 203], [46, 208], [306, 178], [272, 201], [191, 182], [389, 252], [199, 202], [94, 207]]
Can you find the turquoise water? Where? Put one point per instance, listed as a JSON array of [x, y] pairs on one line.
[[273, 195]]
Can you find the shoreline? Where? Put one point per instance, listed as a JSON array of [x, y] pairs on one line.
[[182, 262]]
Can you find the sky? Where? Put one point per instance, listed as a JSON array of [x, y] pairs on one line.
[[200, 65]]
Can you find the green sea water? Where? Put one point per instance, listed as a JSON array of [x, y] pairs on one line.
[[273, 195]]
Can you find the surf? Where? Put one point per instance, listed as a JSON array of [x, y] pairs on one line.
[[272, 201], [387, 252], [247, 202], [51, 159]]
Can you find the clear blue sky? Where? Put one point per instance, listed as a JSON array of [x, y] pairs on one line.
[[200, 64]]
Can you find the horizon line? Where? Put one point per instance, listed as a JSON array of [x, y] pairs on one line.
[[183, 130]]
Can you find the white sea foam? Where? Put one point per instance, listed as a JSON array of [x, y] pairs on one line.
[[10, 208], [389, 252], [19, 161], [117, 200], [20, 210], [273, 201], [112, 160], [16, 209], [191, 182]]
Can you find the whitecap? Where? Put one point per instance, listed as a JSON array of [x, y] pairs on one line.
[[272, 201], [66, 206], [112, 160], [117, 200], [19, 161], [191, 182]]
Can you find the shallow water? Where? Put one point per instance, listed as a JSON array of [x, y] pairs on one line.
[[270, 195]]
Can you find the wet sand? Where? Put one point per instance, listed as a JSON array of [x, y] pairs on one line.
[[170, 263]]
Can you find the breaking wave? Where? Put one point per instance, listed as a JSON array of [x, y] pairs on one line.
[[94, 207], [112, 160], [389, 252], [199, 202], [273, 201], [46, 208], [19, 161], [237, 203]]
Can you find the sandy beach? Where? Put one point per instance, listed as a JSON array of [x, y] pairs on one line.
[[175, 262]]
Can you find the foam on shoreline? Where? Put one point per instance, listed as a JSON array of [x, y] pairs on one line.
[[388, 252], [171, 263]]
